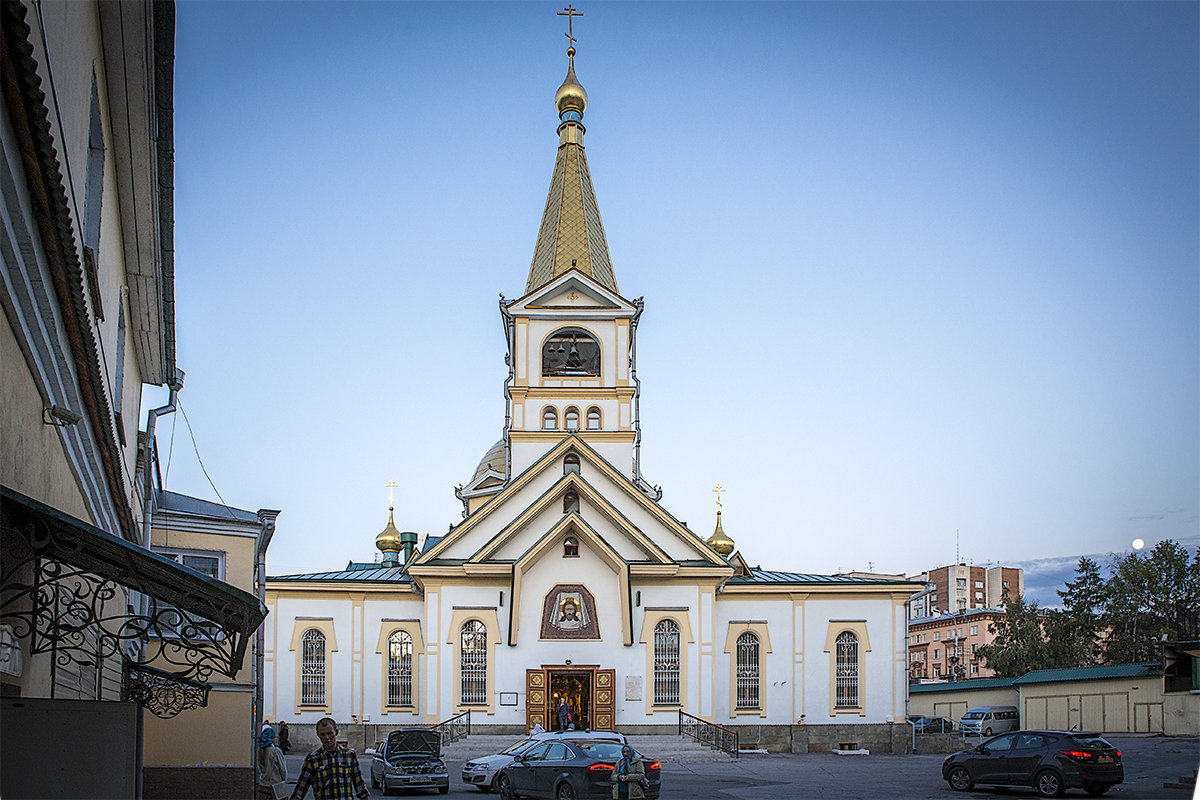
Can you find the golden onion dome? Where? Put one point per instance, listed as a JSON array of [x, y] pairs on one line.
[[388, 541], [719, 541], [570, 96]]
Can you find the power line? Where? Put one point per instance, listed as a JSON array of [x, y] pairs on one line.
[[188, 422]]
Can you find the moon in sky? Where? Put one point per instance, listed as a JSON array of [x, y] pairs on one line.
[[1138, 544]]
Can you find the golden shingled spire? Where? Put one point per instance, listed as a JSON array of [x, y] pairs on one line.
[[571, 235]]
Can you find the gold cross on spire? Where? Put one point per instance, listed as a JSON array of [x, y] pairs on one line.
[[718, 490], [390, 486], [570, 13]]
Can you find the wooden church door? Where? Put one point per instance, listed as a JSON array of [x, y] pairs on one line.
[[602, 713], [535, 699]]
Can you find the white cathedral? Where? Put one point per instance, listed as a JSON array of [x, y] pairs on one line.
[[567, 579]]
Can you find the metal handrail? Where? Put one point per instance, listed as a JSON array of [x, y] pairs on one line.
[[710, 733], [454, 728]]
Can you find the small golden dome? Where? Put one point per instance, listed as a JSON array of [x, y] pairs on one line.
[[570, 96], [389, 540], [719, 541]]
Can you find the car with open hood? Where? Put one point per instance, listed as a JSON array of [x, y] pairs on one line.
[[410, 758]]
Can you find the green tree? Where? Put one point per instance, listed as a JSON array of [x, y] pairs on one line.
[[1151, 596], [1020, 644], [1073, 634]]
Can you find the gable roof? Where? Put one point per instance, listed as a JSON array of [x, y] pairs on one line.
[[604, 299], [975, 684], [355, 572], [572, 441], [1147, 669], [758, 575]]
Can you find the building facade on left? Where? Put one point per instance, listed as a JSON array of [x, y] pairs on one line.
[[97, 631]]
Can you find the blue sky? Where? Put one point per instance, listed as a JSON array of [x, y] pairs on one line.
[[909, 268]]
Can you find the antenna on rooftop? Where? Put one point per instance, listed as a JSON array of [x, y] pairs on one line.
[[957, 557]]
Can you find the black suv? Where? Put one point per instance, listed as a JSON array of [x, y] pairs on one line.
[[1049, 761]]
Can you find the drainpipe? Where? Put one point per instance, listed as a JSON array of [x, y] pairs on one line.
[[152, 453], [266, 521], [147, 519]]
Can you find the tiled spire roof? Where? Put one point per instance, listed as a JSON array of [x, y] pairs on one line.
[[571, 235]]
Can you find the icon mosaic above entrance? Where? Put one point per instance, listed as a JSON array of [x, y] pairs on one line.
[[569, 612]]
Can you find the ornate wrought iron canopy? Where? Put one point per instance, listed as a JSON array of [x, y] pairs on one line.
[[73, 590]]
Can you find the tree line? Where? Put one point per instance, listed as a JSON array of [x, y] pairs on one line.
[[1120, 620]]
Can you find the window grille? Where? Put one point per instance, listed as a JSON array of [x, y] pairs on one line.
[[593, 419], [473, 663], [312, 669], [400, 665], [571, 418], [570, 502], [847, 671], [549, 418], [571, 463], [747, 671], [666, 663]]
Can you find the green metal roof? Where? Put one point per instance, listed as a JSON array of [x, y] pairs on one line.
[[977, 684], [1145, 669]]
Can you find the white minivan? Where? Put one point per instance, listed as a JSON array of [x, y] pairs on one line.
[[989, 720]]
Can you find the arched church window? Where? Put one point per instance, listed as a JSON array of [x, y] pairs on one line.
[[571, 351], [400, 663], [549, 418], [593, 419], [747, 671], [570, 502], [312, 668], [473, 663], [570, 547], [666, 663], [846, 691], [571, 418], [571, 463]]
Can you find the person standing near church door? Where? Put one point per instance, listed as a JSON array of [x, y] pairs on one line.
[[564, 714]]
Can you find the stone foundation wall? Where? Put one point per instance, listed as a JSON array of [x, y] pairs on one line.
[[876, 737], [884, 737], [197, 783]]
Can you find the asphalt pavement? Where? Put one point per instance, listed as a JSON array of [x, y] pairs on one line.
[[692, 772]]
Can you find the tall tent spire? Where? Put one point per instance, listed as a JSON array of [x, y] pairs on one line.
[[571, 235]]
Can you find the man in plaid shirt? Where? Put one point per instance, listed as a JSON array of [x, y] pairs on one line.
[[331, 771]]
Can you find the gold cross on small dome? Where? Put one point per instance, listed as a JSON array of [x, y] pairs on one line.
[[390, 486], [570, 13], [718, 490]]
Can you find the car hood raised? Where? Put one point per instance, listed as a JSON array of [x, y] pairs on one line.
[[413, 742]]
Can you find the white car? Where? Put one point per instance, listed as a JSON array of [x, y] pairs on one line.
[[482, 772]]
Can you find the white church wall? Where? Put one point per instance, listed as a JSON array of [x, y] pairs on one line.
[[776, 679], [877, 680], [379, 615], [604, 330], [296, 615]]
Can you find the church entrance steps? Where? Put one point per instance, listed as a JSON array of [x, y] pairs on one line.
[[668, 748]]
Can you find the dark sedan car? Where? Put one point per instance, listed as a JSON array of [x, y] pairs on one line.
[[567, 769], [933, 724], [1049, 761]]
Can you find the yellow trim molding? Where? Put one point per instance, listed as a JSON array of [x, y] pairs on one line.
[[836, 628], [487, 616], [736, 629], [680, 617], [300, 626], [386, 628]]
